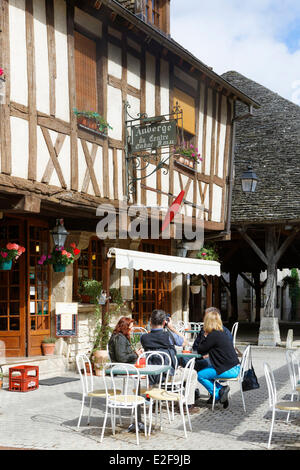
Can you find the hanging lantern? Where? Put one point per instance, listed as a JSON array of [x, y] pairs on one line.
[[249, 181], [59, 233]]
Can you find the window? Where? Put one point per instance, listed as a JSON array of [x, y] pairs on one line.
[[187, 104], [88, 265], [86, 73], [153, 12]]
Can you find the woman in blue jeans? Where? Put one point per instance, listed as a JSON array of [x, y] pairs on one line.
[[223, 358]]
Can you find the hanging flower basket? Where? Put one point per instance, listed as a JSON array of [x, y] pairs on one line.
[[5, 265], [195, 289], [59, 268], [10, 253], [60, 258]]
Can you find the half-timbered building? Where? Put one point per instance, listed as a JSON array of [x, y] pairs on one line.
[[61, 58]]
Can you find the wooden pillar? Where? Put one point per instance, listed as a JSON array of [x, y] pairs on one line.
[[271, 249], [234, 299], [209, 292], [257, 287]]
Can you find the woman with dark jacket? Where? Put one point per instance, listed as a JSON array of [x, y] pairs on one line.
[[222, 355], [119, 346]]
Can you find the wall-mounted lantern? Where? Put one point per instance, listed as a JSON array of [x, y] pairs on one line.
[[249, 180]]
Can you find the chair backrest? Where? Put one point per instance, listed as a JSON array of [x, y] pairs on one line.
[[292, 363], [196, 326], [139, 329], [245, 362], [127, 372], [86, 380], [234, 332], [160, 357], [270, 384], [187, 378]]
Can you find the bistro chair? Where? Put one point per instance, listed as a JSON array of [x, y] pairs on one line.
[[234, 332], [239, 378], [179, 396], [87, 383], [128, 400], [274, 405], [293, 364]]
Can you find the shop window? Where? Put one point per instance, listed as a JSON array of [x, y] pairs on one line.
[[88, 266], [85, 73], [153, 12]]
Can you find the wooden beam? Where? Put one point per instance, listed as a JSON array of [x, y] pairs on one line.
[[253, 245], [51, 55], [28, 203], [31, 80], [286, 244], [5, 129], [247, 280], [53, 156]]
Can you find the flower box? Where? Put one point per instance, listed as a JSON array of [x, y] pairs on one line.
[[92, 122]]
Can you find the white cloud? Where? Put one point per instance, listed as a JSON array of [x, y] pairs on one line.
[[251, 37]]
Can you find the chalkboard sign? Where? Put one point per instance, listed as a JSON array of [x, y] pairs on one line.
[[66, 319]]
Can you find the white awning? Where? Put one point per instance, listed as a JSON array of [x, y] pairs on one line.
[[130, 259]]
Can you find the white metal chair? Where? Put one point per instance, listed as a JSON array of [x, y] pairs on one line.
[[234, 332], [239, 378], [129, 400], [293, 364], [87, 384], [286, 406], [179, 396]]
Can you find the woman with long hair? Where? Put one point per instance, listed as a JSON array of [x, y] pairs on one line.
[[119, 346], [223, 358]]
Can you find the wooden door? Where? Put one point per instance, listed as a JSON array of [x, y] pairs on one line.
[[12, 293], [38, 286], [151, 290]]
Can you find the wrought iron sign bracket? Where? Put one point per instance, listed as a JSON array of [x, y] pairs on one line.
[[148, 141]]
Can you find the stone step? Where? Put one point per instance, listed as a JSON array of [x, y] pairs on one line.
[[49, 366]]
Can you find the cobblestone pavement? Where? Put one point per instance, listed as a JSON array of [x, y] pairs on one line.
[[47, 418]]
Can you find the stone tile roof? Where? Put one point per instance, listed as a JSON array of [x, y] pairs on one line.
[[270, 141]]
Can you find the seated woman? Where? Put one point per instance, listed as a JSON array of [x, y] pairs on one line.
[[224, 362], [119, 346]]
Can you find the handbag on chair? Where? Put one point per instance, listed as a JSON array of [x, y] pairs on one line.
[[250, 381]]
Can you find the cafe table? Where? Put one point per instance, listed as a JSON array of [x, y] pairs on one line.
[[145, 370], [189, 355]]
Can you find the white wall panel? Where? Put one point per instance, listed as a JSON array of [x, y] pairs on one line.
[[90, 23], [120, 174], [114, 60], [208, 132], [150, 84], [114, 112], [111, 173], [133, 71], [164, 87], [41, 57], [98, 168], [19, 147], [216, 203], [61, 46], [18, 55], [201, 120], [222, 137]]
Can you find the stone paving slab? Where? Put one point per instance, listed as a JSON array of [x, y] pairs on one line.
[[47, 418]]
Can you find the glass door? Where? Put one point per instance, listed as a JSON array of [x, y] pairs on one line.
[[38, 287], [12, 293]]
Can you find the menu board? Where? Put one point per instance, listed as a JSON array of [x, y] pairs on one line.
[[66, 319]]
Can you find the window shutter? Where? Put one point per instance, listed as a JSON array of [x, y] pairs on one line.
[[86, 73], [187, 104]]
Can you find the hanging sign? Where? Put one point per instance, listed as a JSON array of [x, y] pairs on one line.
[[66, 319], [154, 135]]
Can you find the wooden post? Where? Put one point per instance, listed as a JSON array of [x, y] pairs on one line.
[[257, 287], [234, 299], [271, 249], [209, 292]]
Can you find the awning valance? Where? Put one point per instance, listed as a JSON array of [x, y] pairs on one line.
[[137, 260]]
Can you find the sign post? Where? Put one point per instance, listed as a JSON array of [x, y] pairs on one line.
[[66, 319]]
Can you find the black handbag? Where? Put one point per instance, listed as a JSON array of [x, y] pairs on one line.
[[250, 381]]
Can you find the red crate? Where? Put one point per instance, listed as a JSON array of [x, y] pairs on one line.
[[21, 380]]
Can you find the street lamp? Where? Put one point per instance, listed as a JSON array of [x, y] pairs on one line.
[[59, 233], [249, 180]]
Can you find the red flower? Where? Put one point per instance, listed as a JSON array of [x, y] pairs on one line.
[[76, 251], [72, 245], [1, 72]]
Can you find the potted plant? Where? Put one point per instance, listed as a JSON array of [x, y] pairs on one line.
[[85, 299], [93, 121], [48, 345], [195, 284], [208, 252], [187, 154], [60, 258], [10, 253]]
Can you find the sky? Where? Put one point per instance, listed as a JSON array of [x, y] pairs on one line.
[[257, 38]]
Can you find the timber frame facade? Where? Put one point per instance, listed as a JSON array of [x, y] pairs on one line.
[[51, 167]]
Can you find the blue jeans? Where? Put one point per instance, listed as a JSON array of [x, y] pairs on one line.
[[206, 378]]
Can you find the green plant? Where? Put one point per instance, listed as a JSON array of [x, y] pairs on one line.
[[208, 252], [92, 288], [116, 297], [135, 341], [101, 122], [49, 340], [188, 150], [292, 281]]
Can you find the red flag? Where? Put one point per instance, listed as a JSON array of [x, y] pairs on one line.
[[174, 208]]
